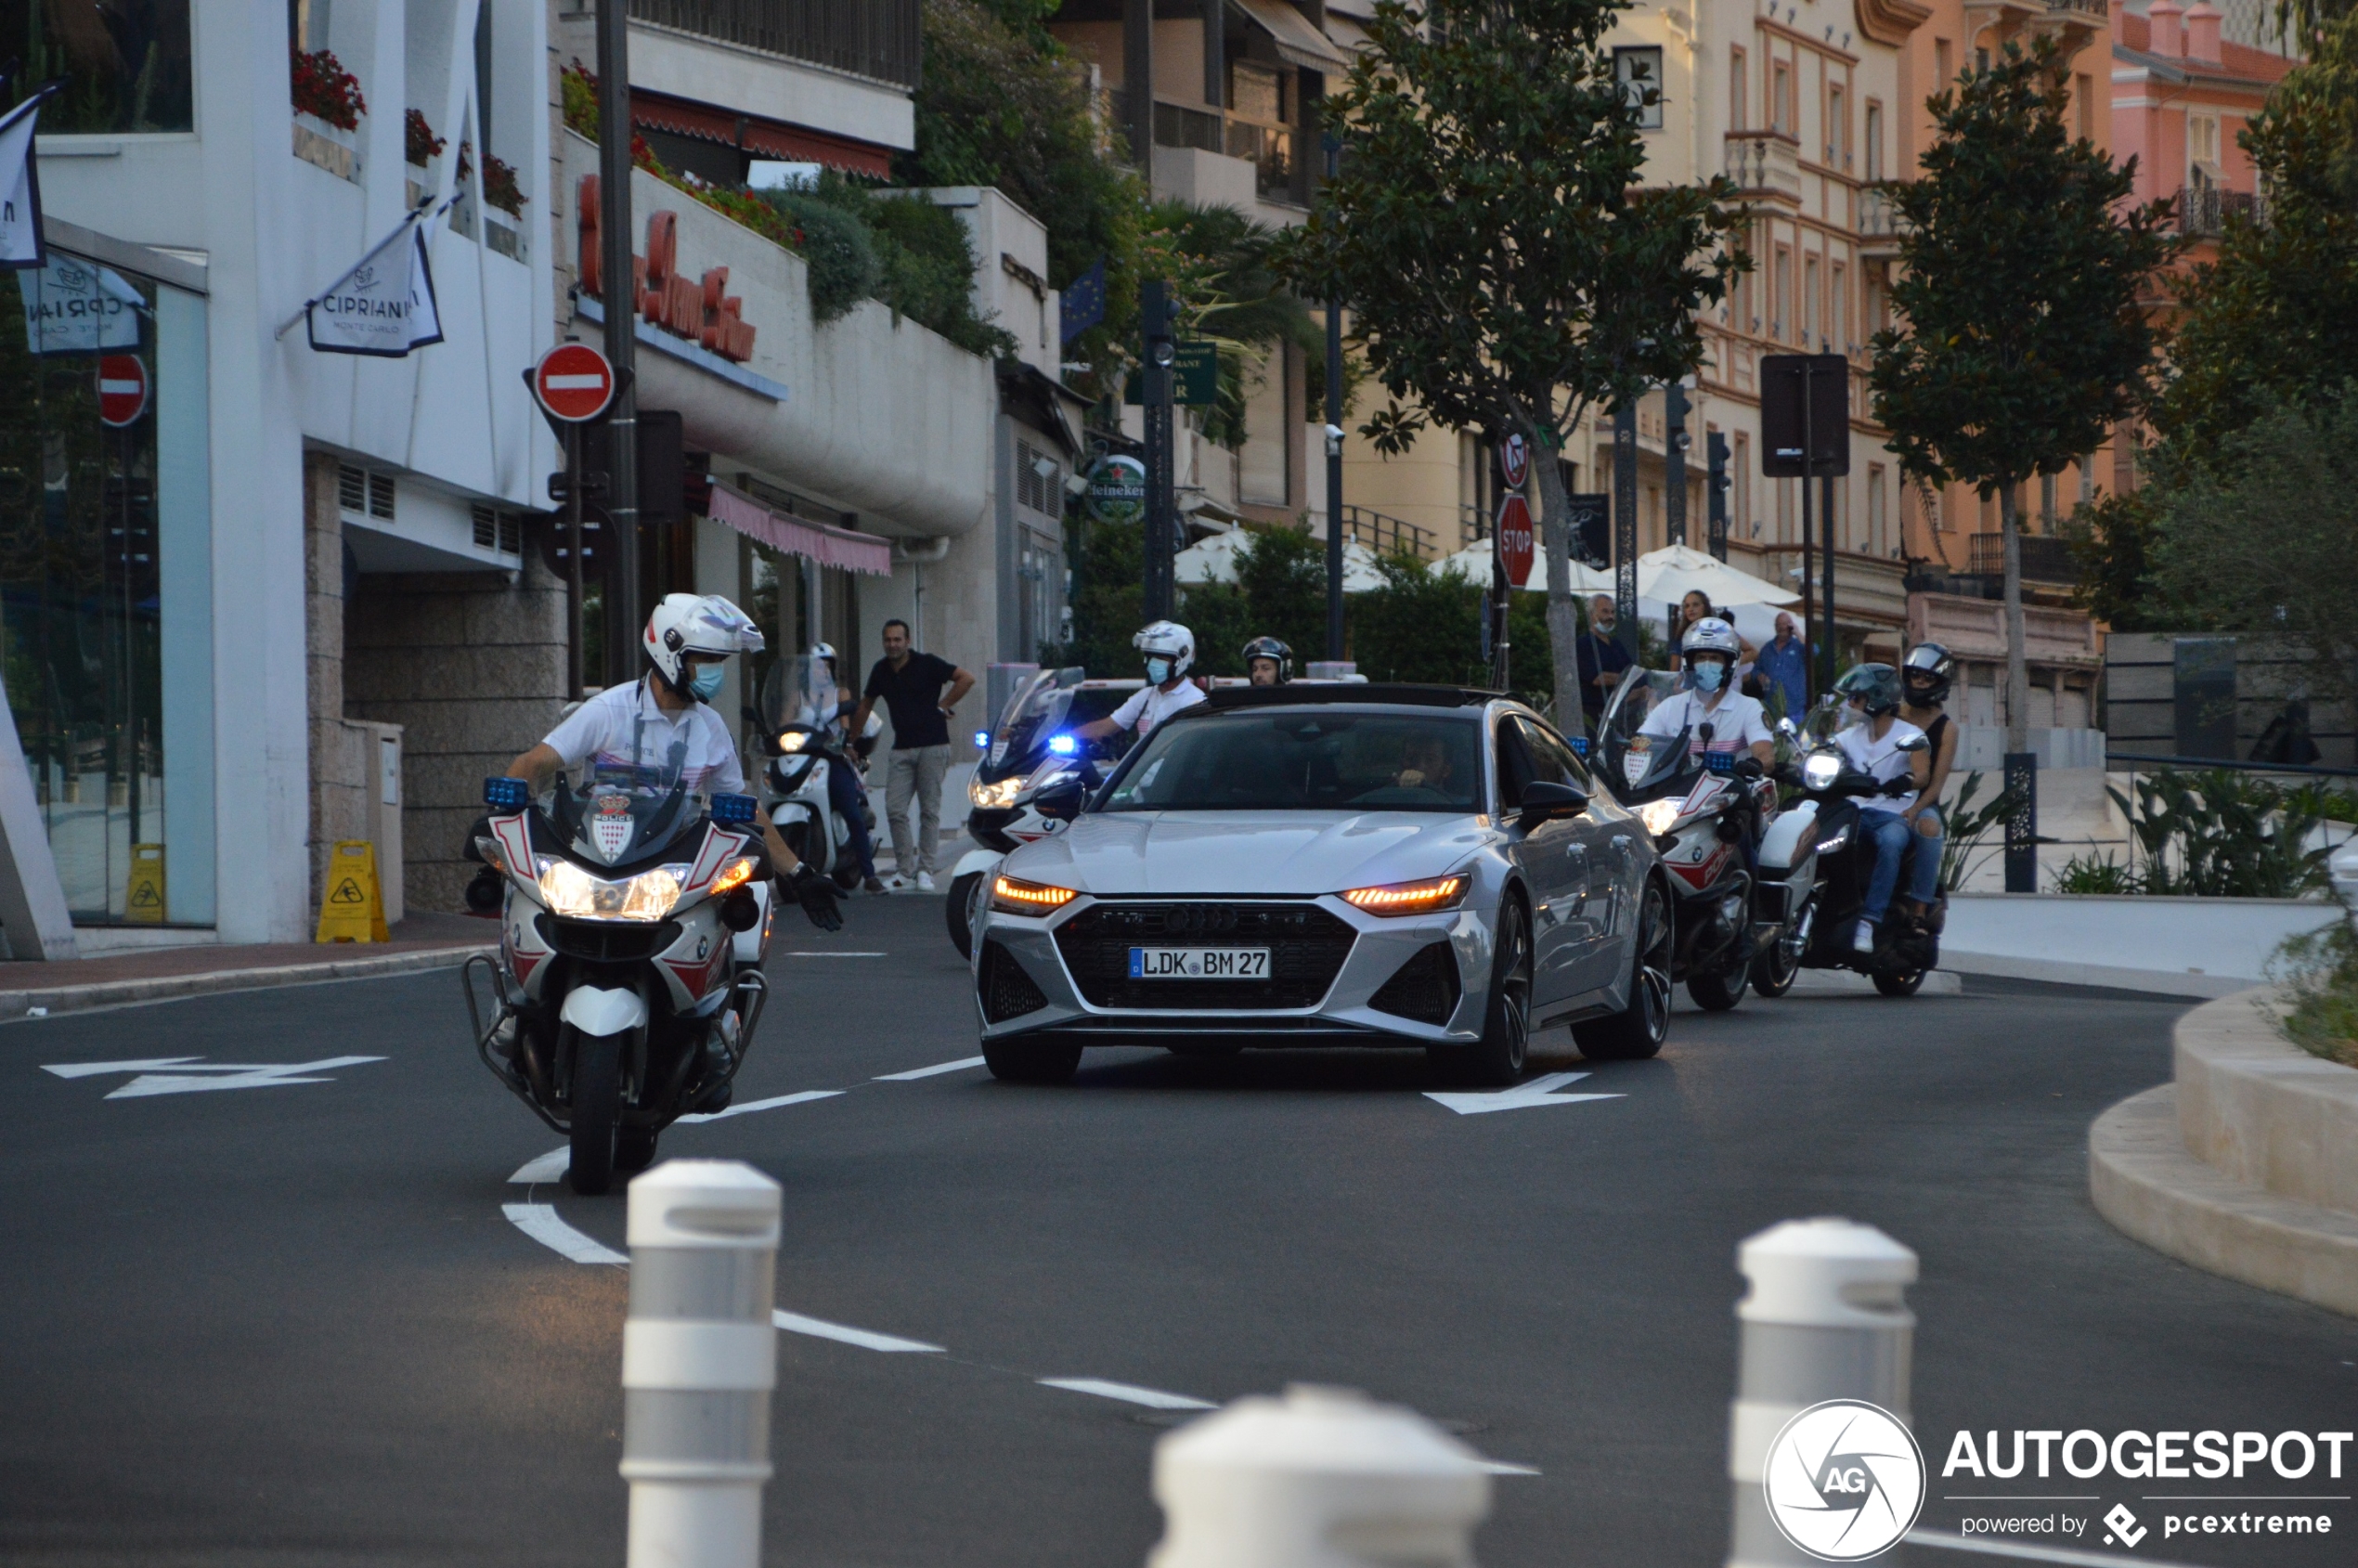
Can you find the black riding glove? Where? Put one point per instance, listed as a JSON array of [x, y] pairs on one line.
[[816, 894]]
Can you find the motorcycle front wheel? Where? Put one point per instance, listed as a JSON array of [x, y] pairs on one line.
[[597, 1109], [959, 909], [1907, 982]]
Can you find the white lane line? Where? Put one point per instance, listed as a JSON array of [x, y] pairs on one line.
[[1538, 1092], [1500, 1466], [820, 1329], [1129, 1393], [834, 954], [550, 1167], [770, 1104], [539, 1222], [914, 1073], [145, 1064]]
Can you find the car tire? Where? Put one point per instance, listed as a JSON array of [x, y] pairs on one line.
[[1638, 1030], [1497, 1059], [1715, 991], [596, 1111], [1906, 982], [959, 909], [1031, 1061]]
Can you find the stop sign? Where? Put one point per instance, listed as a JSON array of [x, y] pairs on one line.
[[1514, 540], [123, 389], [574, 382]]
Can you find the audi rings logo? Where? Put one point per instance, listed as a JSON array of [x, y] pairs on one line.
[[1845, 1481]]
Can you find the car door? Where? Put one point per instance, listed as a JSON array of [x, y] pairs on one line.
[[1553, 856], [1585, 910]]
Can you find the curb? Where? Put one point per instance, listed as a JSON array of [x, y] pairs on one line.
[[54, 1000], [2154, 982], [2236, 1167], [2146, 1185]]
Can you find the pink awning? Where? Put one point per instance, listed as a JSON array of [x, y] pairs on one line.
[[828, 545]]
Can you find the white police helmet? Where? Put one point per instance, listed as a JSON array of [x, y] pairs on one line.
[[1168, 640]]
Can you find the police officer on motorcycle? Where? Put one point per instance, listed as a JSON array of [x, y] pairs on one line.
[[664, 716], [1168, 650]]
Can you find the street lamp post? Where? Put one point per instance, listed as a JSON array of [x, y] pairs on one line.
[[1153, 300], [621, 324]]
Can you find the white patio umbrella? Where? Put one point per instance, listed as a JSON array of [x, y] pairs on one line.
[[1671, 574], [1474, 564], [1213, 560]]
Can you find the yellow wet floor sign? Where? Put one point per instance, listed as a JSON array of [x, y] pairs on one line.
[[143, 901], [351, 908]]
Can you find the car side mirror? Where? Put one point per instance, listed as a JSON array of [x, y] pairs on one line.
[[1061, 801], [1545, 798]]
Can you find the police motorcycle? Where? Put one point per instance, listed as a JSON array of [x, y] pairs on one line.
[[627, 986], [1815, 861], [803, 746], [1033, 749], [1698, 811]]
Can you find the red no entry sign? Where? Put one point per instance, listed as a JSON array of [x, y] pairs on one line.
[[1514, 540], [1514, 461], [574, 382], [123, 389]]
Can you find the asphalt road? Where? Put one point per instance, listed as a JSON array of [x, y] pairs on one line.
[[289, 1323]]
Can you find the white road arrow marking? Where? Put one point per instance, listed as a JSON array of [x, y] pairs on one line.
[[549, 1167], [194, 1075], [820, 1329], [539, 1222], [770, 1104], [917, 1073], [1129, 1393], [1538, 1092]]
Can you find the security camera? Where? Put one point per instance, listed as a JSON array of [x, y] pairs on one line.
[[1334, 433]]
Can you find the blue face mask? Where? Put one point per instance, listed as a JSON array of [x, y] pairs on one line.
[[1157, 671], [1709, 674], [705, 681]]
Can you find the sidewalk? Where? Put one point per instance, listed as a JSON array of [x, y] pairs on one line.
[[422, 941]]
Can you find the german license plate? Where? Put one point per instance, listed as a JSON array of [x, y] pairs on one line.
[[1199, 962]]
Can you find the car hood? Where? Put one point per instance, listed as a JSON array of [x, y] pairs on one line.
[[1247, 852]]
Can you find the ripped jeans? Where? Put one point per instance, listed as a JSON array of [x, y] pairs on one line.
[[1891, 833]]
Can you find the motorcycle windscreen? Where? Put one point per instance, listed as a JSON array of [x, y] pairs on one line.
[[1034, 713], [1633, 763], [628, 813], [798, 690]]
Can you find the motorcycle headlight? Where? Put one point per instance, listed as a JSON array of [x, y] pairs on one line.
[[994, 797], [572, 893], [793, 740], [1821, 769], [1658, 815]]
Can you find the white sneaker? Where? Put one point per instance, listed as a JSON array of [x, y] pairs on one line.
[[896, 882], [924, 882], [1864, 941]]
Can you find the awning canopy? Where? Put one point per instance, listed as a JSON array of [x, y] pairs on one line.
[[794, 536], [1297, 43]]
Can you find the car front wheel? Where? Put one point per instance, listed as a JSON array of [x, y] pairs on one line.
[[1638, 1030], [1496, 1060]]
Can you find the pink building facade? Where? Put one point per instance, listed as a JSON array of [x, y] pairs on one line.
[[2180, 95]]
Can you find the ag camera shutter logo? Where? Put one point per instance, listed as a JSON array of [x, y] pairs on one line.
[[1845, 1481]]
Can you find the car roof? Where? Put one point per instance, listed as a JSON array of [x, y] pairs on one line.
[[1356, 693]]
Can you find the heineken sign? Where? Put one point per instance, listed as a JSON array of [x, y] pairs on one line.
[[1117, 490]]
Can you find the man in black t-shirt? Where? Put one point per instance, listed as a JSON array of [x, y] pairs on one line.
[[911, 684]]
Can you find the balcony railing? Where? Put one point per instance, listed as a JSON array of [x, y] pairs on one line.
[[1765, 162], [2204, 210], [873, 38], [1267, 145], [1387, 536], [1879, 222], [2045, 559]]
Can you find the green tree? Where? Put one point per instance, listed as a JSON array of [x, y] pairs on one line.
[[2024, 342], [2113, 540], [1506, 267], [2275, 320], [1218, 261], [1003, 104]]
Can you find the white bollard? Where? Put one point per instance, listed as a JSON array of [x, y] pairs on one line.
[[699, 1359], [1826, 1319], [1322, 1478]]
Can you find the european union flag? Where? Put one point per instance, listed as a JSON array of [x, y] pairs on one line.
[[1084, 301]]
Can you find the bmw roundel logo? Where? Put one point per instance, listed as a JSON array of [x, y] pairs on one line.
[[1845, 1481], [704, 945]]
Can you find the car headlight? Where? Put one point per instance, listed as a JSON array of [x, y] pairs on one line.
[[994, 797], [1011, 895], [1411, 897], [1659, 814], [572, 893], [1822, 768]]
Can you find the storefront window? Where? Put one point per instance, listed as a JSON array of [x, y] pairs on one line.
[[105, 581], [125, 62]]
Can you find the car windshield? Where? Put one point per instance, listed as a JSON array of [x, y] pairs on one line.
[[1304, 759]]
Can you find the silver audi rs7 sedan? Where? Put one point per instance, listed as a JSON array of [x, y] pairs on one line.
[[1337, 865]]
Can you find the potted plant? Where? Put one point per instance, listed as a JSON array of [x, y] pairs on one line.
[[327, 107], [421, 147]]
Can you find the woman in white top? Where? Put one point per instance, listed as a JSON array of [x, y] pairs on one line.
[[1875, 746]]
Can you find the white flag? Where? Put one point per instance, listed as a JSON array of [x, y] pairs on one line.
[[77, 306], [384, 306], [20, 186]]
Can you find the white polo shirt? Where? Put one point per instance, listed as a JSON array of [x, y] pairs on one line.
[[1736, 722], [622, 727], [1880, 759], [1150, 705]]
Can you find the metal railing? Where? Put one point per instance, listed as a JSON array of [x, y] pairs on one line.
[[1269, 148], [2204, 210], [1387, 536], [2044, 558], [873, 38]]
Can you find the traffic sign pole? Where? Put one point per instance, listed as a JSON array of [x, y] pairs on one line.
[[621, 331], [573, 563]]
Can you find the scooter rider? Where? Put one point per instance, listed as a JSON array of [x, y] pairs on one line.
[[1170, 651], [845, 797], [662, 719], [1268, 661], [1926, 675], [1873, 746]]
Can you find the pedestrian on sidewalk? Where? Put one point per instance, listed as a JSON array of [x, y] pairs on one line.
[[911, 684]]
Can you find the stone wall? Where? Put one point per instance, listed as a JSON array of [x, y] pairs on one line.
[[473, 665]]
